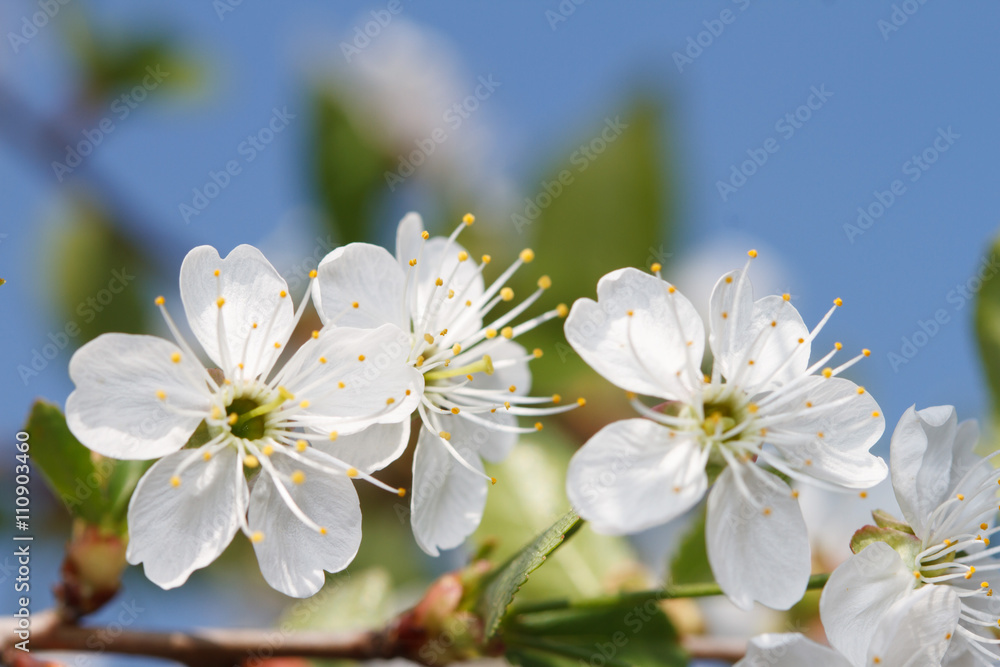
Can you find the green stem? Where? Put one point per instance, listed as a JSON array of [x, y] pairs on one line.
[[669, 593]]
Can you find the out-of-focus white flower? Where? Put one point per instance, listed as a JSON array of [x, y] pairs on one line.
[[475, 377], [914, 633], [948, 496], [142, 397], [763, 402]]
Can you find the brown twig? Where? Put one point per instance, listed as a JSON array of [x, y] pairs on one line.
[[215, 648]]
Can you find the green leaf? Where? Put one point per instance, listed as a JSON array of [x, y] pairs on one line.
[[65, 464], [690, 565], [120, 485], [611, 212], [988, 332], [616, 633], [504, 583], [348, 169], [97, 276]]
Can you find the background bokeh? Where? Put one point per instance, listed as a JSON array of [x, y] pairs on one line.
[[684, 93]]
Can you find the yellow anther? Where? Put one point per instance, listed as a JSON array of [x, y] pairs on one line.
[[455, 411], [390, 400], [506, 294], [562, 310], [493, 481], [215, 273], [819, 434], [838, 346], [468, 218], [444, 435], [298, 477], [767, 511], [838, 302], [250, 461], [361, 357], [861, 390], [876, 414], [322, 530], [538, 426], [947, 543], [507, 332], [866, 352], [631, 396], [671, 289], [401, 492], [313, 273], [463, 256], [556, 398], [960, 497], [752, 253], [206, 455], [581, 401], [429, 339], [512, 389], [304, 404], [786, 296], [160, 394], [795, 493], [827, 372], [216, 412], [655, 268], [257, 536], [333, 436], [267, 450], [725, 315], [544, 282], [456, 348], [322, 360], [750, 363], [469, 377], [985, 584], [916, 574], [752, 408], [232, 418], [537, 353], [425, 235], [277, 345], [506, 404], [630, 313], [301, 445], [355, 304], [451, 293], [802, 340], [729, 279], [413, 262], [159, 301], [491, 333], [175, 357], [175, 481], [863, 495], [984, 526], [468, 303], [282, 294], [774, 323], [352, 472], [315, 334], [527, 255], [439, 282], [220, 302], [487, 259], [809, 404]]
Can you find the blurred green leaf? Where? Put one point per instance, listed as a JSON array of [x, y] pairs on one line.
[[988, 332], [348, 171], [690, 565], [608, 210], [529, 496], [65, 464], [605, 632], [504, 582], [120, 485], [96, 277], [114, 65]]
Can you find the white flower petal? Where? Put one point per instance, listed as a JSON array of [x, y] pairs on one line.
[[833, 443], [758, 546], [371, 449], [365, 274], [917, 630], [859, 593], [789, 650], [293, 556], [730, 316], [115, 410], [447, 502], [930, 453], [509, 360], [657, 351], [379, 387], [174, 531], [408, 239], [440, 260], [492, 444], [770, 341], [634, 474], [252, 291]]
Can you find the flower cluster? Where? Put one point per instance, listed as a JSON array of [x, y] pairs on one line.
[[272, 450]]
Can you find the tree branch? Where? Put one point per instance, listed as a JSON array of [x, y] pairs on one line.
[[226, 647]]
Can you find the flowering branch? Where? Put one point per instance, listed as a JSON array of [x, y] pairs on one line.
[[218, 647]]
